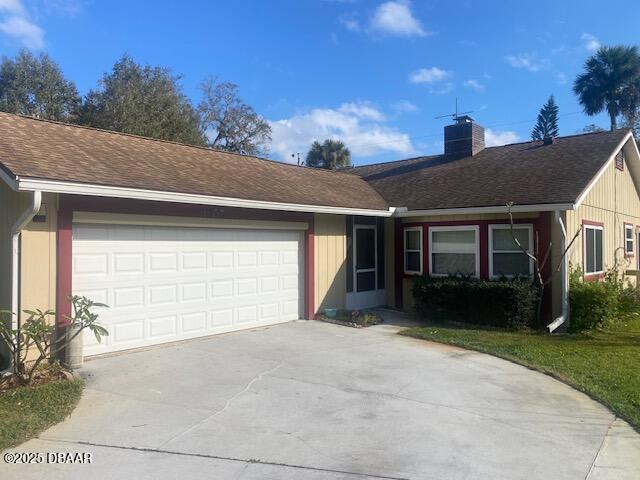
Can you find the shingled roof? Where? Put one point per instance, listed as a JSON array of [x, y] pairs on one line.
[[528, 173], [40, 149]]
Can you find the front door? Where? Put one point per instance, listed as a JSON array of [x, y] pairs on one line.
[[367, 293]]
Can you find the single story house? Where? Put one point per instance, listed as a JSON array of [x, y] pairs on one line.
[[183, 242]]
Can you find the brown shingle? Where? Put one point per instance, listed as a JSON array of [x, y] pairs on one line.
[[524, 173], [49, 150]]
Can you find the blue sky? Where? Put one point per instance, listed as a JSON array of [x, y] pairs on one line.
[[372, 73]]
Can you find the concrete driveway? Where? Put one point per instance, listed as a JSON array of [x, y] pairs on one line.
[[309, 400]]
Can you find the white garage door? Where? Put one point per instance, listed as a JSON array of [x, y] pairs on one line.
[[166, 284]]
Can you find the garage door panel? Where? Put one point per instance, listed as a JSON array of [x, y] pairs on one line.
[[166, 284]]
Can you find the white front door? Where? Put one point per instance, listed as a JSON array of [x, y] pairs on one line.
[[166, 283], [366, 293]]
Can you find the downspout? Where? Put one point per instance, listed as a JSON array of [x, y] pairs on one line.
[[564, 272], [16, 230]]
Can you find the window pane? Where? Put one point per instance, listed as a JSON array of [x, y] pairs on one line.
[[413, 261], [454, 263], [454, 241], [589, 254], [510, 264], [598, 245], [365, 248], [366, 281], [628, 231], [413, 240], [503, 240]]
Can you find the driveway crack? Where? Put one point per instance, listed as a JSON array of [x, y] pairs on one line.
[[227, 404], [234, 459]]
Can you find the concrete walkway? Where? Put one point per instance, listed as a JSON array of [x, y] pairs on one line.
[[309, 400]]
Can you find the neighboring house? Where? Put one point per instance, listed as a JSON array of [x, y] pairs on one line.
[[184, 242]]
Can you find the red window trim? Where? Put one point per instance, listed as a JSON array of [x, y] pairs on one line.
[[591, 223]]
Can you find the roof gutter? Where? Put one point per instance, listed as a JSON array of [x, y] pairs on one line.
[[541, 207], [564, 272], [55, 186]]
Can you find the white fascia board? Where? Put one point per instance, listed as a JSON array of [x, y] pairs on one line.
[[54, 186], [542, 207], [603, 169]]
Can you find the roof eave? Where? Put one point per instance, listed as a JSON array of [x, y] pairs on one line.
[[541, 207], [71, 188]]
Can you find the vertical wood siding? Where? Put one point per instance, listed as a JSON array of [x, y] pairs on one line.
[[330, 261], [613, 201]]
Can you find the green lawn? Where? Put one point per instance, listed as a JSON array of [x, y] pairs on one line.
[[27, 411], [603, 364]]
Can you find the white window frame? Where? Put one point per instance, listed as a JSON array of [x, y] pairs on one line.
[[628, 240], [474, 228], [405, 250], [493, 227], [586, 227]]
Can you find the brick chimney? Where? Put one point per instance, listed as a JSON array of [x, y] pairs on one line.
[[465, 138]]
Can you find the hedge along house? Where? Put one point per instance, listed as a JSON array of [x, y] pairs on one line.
[[184, 242]]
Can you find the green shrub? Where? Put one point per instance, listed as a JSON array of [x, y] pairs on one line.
[[593, 303], [505, 303], [629, 300]]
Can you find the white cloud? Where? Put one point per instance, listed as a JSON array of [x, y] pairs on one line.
[[67, 8], [27, 32], [350, 23], [404, 106], [473, 84], [15, 23], [528, 61], [494, 139], [561, 78], [12, 6], [591, 42], [363, 131], [396, 18], [362, 110], [429, 75]]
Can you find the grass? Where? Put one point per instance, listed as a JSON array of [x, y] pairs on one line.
[[27, 411], [603, 364]]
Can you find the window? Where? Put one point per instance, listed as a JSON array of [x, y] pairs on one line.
[[454, 251], [506, 259], [413, 250], [628, 240], [593, 249]]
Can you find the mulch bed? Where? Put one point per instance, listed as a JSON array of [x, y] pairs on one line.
[[346, 319], [41, 377]]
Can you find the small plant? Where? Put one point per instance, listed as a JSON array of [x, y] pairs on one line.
[[38, 333]]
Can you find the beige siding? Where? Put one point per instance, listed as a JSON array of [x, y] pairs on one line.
[[612, 201], [38, 259], [330, 260]]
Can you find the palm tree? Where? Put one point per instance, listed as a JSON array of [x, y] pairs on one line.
[[331, 154], [611, 82]]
